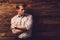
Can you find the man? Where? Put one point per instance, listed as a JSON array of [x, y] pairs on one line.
[[21, 24]]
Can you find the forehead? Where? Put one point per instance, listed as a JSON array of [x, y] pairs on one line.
[[21, 7]]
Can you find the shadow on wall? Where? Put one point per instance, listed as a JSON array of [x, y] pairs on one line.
[[36, 24]]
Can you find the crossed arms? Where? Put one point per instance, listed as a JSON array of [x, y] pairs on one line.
[[19, 29]]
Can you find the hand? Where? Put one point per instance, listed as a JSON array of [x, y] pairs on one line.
[[16, 31]]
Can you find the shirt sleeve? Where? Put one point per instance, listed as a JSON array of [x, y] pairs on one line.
[[29, 22], [13, 23]]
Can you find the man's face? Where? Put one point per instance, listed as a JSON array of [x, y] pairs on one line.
[[21, 10]]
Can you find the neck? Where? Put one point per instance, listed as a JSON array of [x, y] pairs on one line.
[[20, 14]]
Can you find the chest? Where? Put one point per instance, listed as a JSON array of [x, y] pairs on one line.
[[21, 19]]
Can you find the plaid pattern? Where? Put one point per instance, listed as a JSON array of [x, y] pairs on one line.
[[25, 20]]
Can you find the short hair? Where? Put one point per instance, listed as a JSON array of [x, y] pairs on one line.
[[21, 4]]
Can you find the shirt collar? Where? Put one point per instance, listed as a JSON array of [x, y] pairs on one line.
[[22, 16]]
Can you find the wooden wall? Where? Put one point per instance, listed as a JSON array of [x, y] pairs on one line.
[[46, 16], [46, 19]]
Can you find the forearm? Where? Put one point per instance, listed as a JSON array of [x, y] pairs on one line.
[[23, 28], [12, 26], [16, 31]]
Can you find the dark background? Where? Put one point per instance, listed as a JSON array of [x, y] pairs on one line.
[[46, 16]]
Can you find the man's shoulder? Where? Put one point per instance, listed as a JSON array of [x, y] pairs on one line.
[[14, 17], [28, 15]]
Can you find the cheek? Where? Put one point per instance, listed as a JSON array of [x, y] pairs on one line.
[[18, 10]]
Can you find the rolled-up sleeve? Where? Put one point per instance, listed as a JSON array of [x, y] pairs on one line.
[[29, 22], [13, 23]]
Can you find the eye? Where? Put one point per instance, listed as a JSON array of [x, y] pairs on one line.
[[22, 9]]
